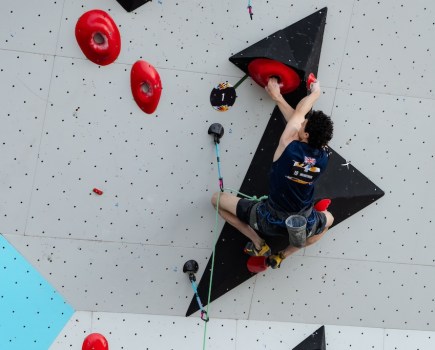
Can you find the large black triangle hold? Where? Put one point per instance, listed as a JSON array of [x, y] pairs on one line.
[[297, 46], [315, 341], [131, 5]]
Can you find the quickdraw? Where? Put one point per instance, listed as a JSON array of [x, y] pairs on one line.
[[191, 267]]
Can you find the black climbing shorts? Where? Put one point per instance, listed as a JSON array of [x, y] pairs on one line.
[[246, 211], [243, 210]]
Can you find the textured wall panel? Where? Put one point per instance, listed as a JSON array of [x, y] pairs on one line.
[[157, 171], [389, 48], [160, 332], [130, 332], [32, 311], [200, 37], [388, 138], [75, 331], [272, 335], [355, 338], [346, 292], [235, 304], [24, 84], [409, 340], [94, 276], [30, 26]]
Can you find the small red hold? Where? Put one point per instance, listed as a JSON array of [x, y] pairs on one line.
[[97, 191], [322, 204], [98, 37], [95, 341], [146, 86], [311, 79]]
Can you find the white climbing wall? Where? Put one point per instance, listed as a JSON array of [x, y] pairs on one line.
[[68, 126]]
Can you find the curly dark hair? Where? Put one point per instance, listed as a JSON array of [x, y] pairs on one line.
[[320, 128]]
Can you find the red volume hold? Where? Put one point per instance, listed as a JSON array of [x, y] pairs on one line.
[[146, 86], [262, 69], [98, 37]]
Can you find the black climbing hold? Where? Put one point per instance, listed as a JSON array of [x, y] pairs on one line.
[[190, 266], [223, 96], [131, 5], [217, 130], [298, 46]]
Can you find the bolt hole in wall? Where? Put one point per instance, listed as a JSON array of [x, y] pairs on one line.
[[145, 88], [100, 39]]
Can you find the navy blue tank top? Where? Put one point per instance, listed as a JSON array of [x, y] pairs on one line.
[[293, 175]]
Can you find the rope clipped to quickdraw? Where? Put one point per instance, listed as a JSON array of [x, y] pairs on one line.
[[191, 266], [251, 14], [212, 266]]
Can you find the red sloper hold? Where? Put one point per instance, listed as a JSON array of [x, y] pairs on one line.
[[261, 69], [95, 341], [145, 86], [98, 37]]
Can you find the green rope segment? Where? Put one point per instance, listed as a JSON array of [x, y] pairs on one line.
[[254, 198], [240, 81]]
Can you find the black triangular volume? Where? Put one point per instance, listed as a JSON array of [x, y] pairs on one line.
[[349, 190], [297, 46], [315, 341], [131, 5]]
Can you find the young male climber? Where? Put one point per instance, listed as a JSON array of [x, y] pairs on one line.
[[300, 158]]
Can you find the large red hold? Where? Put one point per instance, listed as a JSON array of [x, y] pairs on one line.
[[98, 37], [262, 69], [145, 86], [95, 341]]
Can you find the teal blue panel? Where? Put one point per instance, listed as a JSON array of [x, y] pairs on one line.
[[32, 313]]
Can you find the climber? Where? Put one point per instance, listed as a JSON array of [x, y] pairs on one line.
[[299, 160]]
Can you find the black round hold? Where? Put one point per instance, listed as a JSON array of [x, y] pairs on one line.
[[217, 130], [223, 96], [190, 266]]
